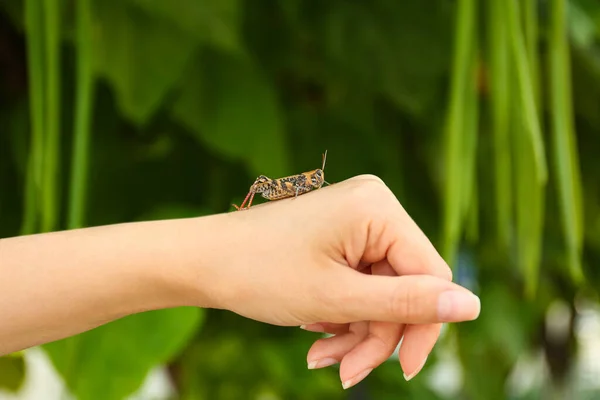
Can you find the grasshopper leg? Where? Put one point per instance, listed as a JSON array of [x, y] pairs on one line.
[[249, 195], [241, 207], [250, 202]]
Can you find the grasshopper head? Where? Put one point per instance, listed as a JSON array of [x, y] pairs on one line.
[[260, 184], [317, 177]]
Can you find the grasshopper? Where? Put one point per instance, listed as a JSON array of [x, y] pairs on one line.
[[283, 188]]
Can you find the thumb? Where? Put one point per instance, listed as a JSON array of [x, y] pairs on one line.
[[409, 299]]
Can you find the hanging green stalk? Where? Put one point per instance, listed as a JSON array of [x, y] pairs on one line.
[[52, 115], [500, 85], [564, 141], [80, 155], [531, 29], [83, 115], [456, 141], [470, 204], [530, 172], [525, 88], [35, 67], [529, 206]]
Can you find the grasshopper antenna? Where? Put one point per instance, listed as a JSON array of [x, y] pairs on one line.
[[323, 167]]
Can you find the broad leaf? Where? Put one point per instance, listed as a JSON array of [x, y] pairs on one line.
[[231, 106], [373, 45], [216, 22], [112, 361], [142, 56]]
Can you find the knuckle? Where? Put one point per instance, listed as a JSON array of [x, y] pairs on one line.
[[370, 178], [328, 303], [379, 342], [449, 274], [441, 268], [401, 305], [368, 190]]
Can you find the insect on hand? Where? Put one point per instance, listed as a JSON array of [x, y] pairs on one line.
[[282, 188]]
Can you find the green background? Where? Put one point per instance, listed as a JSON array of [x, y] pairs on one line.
[[482, 116]]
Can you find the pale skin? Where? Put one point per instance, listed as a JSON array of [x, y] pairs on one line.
[[345, 259]]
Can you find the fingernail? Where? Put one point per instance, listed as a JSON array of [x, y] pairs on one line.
[[325, 362], [313, 328], [454, 306], [357, 378], [416, 371]]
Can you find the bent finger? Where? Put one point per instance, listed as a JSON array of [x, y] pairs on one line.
[[418, 340], [417, 344], [376, 348], [331, 350]]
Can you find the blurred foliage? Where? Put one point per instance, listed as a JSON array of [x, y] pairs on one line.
[[482, 117], [13, 372]]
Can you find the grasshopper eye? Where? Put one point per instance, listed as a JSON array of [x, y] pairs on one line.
[[316, 179]]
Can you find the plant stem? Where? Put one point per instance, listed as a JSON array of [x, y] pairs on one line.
[[83, 110], [52, 108]]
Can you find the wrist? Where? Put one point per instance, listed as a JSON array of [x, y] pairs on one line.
[[191, 260]]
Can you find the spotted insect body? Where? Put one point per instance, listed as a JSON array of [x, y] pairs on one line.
[[282, 188]]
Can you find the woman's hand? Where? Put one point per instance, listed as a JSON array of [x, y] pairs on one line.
[[348, 260], [345, 259]]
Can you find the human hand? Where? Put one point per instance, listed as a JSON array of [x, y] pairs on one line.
[[346, 259]]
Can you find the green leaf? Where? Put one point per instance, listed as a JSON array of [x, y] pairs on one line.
[[461, 129], [216, 22], [372, 45], [526, 88], [173, 211], [564, 139], [273, 360], [529, 204], [143, 57], [499, 56], [111, 362], [531, 35], [12, 372], [52, 21], [83, 117], [230, 106], [529, 155], [36, 60]]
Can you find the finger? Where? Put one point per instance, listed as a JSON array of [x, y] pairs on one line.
[[329, 351], [392, 232], [326, 327], [416, 299], [416, 346], [395, 235], [383, 268], [376, 348], [418, 340], [412, 255]]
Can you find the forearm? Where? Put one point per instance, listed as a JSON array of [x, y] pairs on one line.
[[60, 284]]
